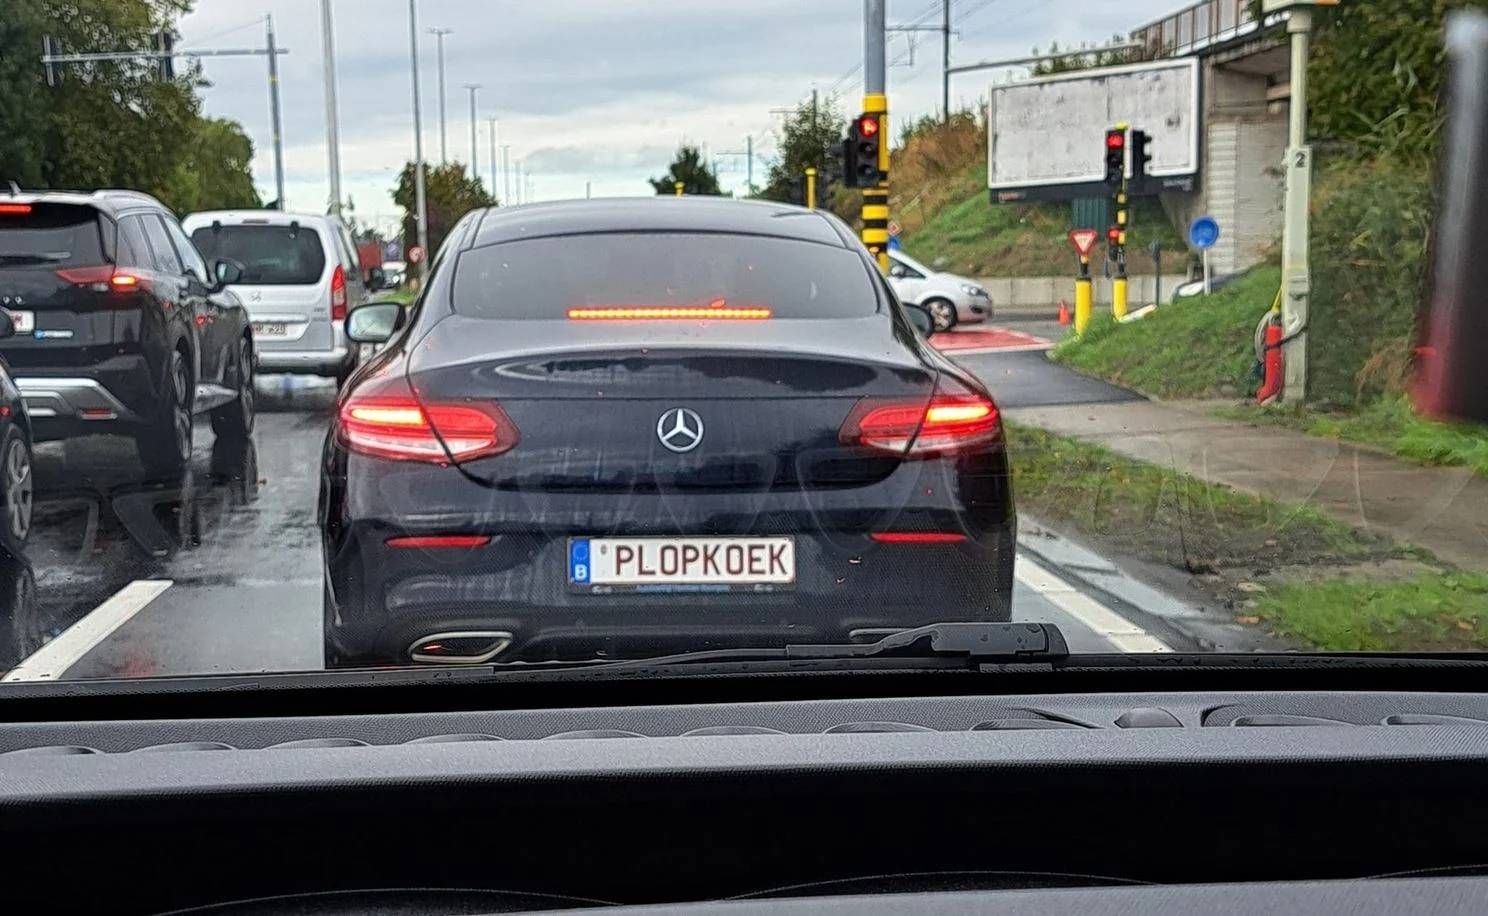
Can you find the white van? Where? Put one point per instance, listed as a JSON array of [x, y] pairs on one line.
[[300, 278]]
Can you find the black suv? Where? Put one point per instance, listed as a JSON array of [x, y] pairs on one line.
[[120, 326]]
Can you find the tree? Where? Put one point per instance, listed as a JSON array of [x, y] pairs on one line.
[[110, 124], [449, 193], [690, 169], [806, 141], [215, 172], [1089, 60]]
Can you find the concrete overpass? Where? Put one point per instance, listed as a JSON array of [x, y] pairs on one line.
[[1244, 94]]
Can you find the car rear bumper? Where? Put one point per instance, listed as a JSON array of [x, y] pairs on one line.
[[382, 600], [306, 362], [75, 402]]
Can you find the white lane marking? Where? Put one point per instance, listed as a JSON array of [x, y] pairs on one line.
[[1109, 625], [52, 660]]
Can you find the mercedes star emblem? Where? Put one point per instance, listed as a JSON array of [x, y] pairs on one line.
[[680, 429]]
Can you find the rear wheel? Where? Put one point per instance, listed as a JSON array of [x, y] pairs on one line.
[[165, 446], [942, 312], [233, 421], [16, 488]]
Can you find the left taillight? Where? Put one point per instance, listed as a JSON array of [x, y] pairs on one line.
[[393, 423], [101, 278], [952, 420], [338, 294]]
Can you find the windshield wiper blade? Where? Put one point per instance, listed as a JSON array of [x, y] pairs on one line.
[[973, 644]]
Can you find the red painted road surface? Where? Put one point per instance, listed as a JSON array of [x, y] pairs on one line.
[[987, 340]]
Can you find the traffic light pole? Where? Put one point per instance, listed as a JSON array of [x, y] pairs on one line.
[[876, 102], [1118, 251]]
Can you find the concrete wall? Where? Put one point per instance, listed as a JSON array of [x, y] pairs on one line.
[[1044, 293]]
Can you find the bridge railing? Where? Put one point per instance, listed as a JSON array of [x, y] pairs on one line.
[[1199, 26]]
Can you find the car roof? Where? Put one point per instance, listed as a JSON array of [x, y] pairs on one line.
[[656, 214], [111, 201], [258, 217]]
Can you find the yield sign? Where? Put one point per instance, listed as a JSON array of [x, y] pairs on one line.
[[1083, 240]]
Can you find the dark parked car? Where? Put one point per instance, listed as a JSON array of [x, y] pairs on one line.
[[120, 325], [621, 428]]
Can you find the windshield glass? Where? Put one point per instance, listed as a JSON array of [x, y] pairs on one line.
[[732, 331], [627, 275], [269, 255]]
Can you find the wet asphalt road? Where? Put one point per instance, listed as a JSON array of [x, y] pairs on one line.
[[237, 539]]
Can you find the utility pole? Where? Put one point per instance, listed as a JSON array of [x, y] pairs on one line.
[[876, 102], [439, 53], [473, 88], [813, 112], [421, 204], [945, 61], [506, 173], [588, 189], [276, 128], [491, 122], [1296, 283], [749, 163], [518, 166], [333, 116]]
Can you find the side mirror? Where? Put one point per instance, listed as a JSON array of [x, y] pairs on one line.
[[896, 271], [227, 272], [375, 322], [919, 316], [7, 326]]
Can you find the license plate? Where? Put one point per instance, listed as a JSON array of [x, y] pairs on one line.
[[270, 329], [25, 322], [681, 564]]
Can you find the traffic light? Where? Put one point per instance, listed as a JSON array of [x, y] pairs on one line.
[[1113, 237], [860, 154], [165, 63], [1140, 156], [1115, 156]]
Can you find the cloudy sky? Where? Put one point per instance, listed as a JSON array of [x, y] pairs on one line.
[[597, 91]]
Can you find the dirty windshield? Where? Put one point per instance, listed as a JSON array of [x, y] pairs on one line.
[[423, 333]]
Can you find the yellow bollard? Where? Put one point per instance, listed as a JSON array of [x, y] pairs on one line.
[[1082, 304], [679, 186], [811, 189], [1118, 298]]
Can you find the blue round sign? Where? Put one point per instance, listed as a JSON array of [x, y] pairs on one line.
[[1203, 232]]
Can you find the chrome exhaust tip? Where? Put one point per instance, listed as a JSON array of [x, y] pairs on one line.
[[464, 647]]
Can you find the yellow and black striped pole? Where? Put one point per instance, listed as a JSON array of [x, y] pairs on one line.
[[876, 200]]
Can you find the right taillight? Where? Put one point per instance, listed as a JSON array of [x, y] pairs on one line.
[[393, 423], [950, 421], [338, 294]]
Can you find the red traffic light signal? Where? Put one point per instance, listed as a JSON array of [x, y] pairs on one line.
[[1113, 235], [868, 125], [1115, 157]]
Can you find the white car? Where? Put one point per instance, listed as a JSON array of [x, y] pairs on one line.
[[300, 278], [950, 299]]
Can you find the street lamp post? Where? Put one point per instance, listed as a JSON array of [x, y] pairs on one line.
[[420, 203], [473, 88], [333, 126], [439, 55]]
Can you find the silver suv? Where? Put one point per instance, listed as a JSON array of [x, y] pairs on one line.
[[300, 277]]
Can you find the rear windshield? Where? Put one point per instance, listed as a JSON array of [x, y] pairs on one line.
[[270, 255], [605, 274], [50, 236]]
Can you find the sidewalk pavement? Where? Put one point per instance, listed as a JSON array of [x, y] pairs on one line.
[[1444, 510]]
